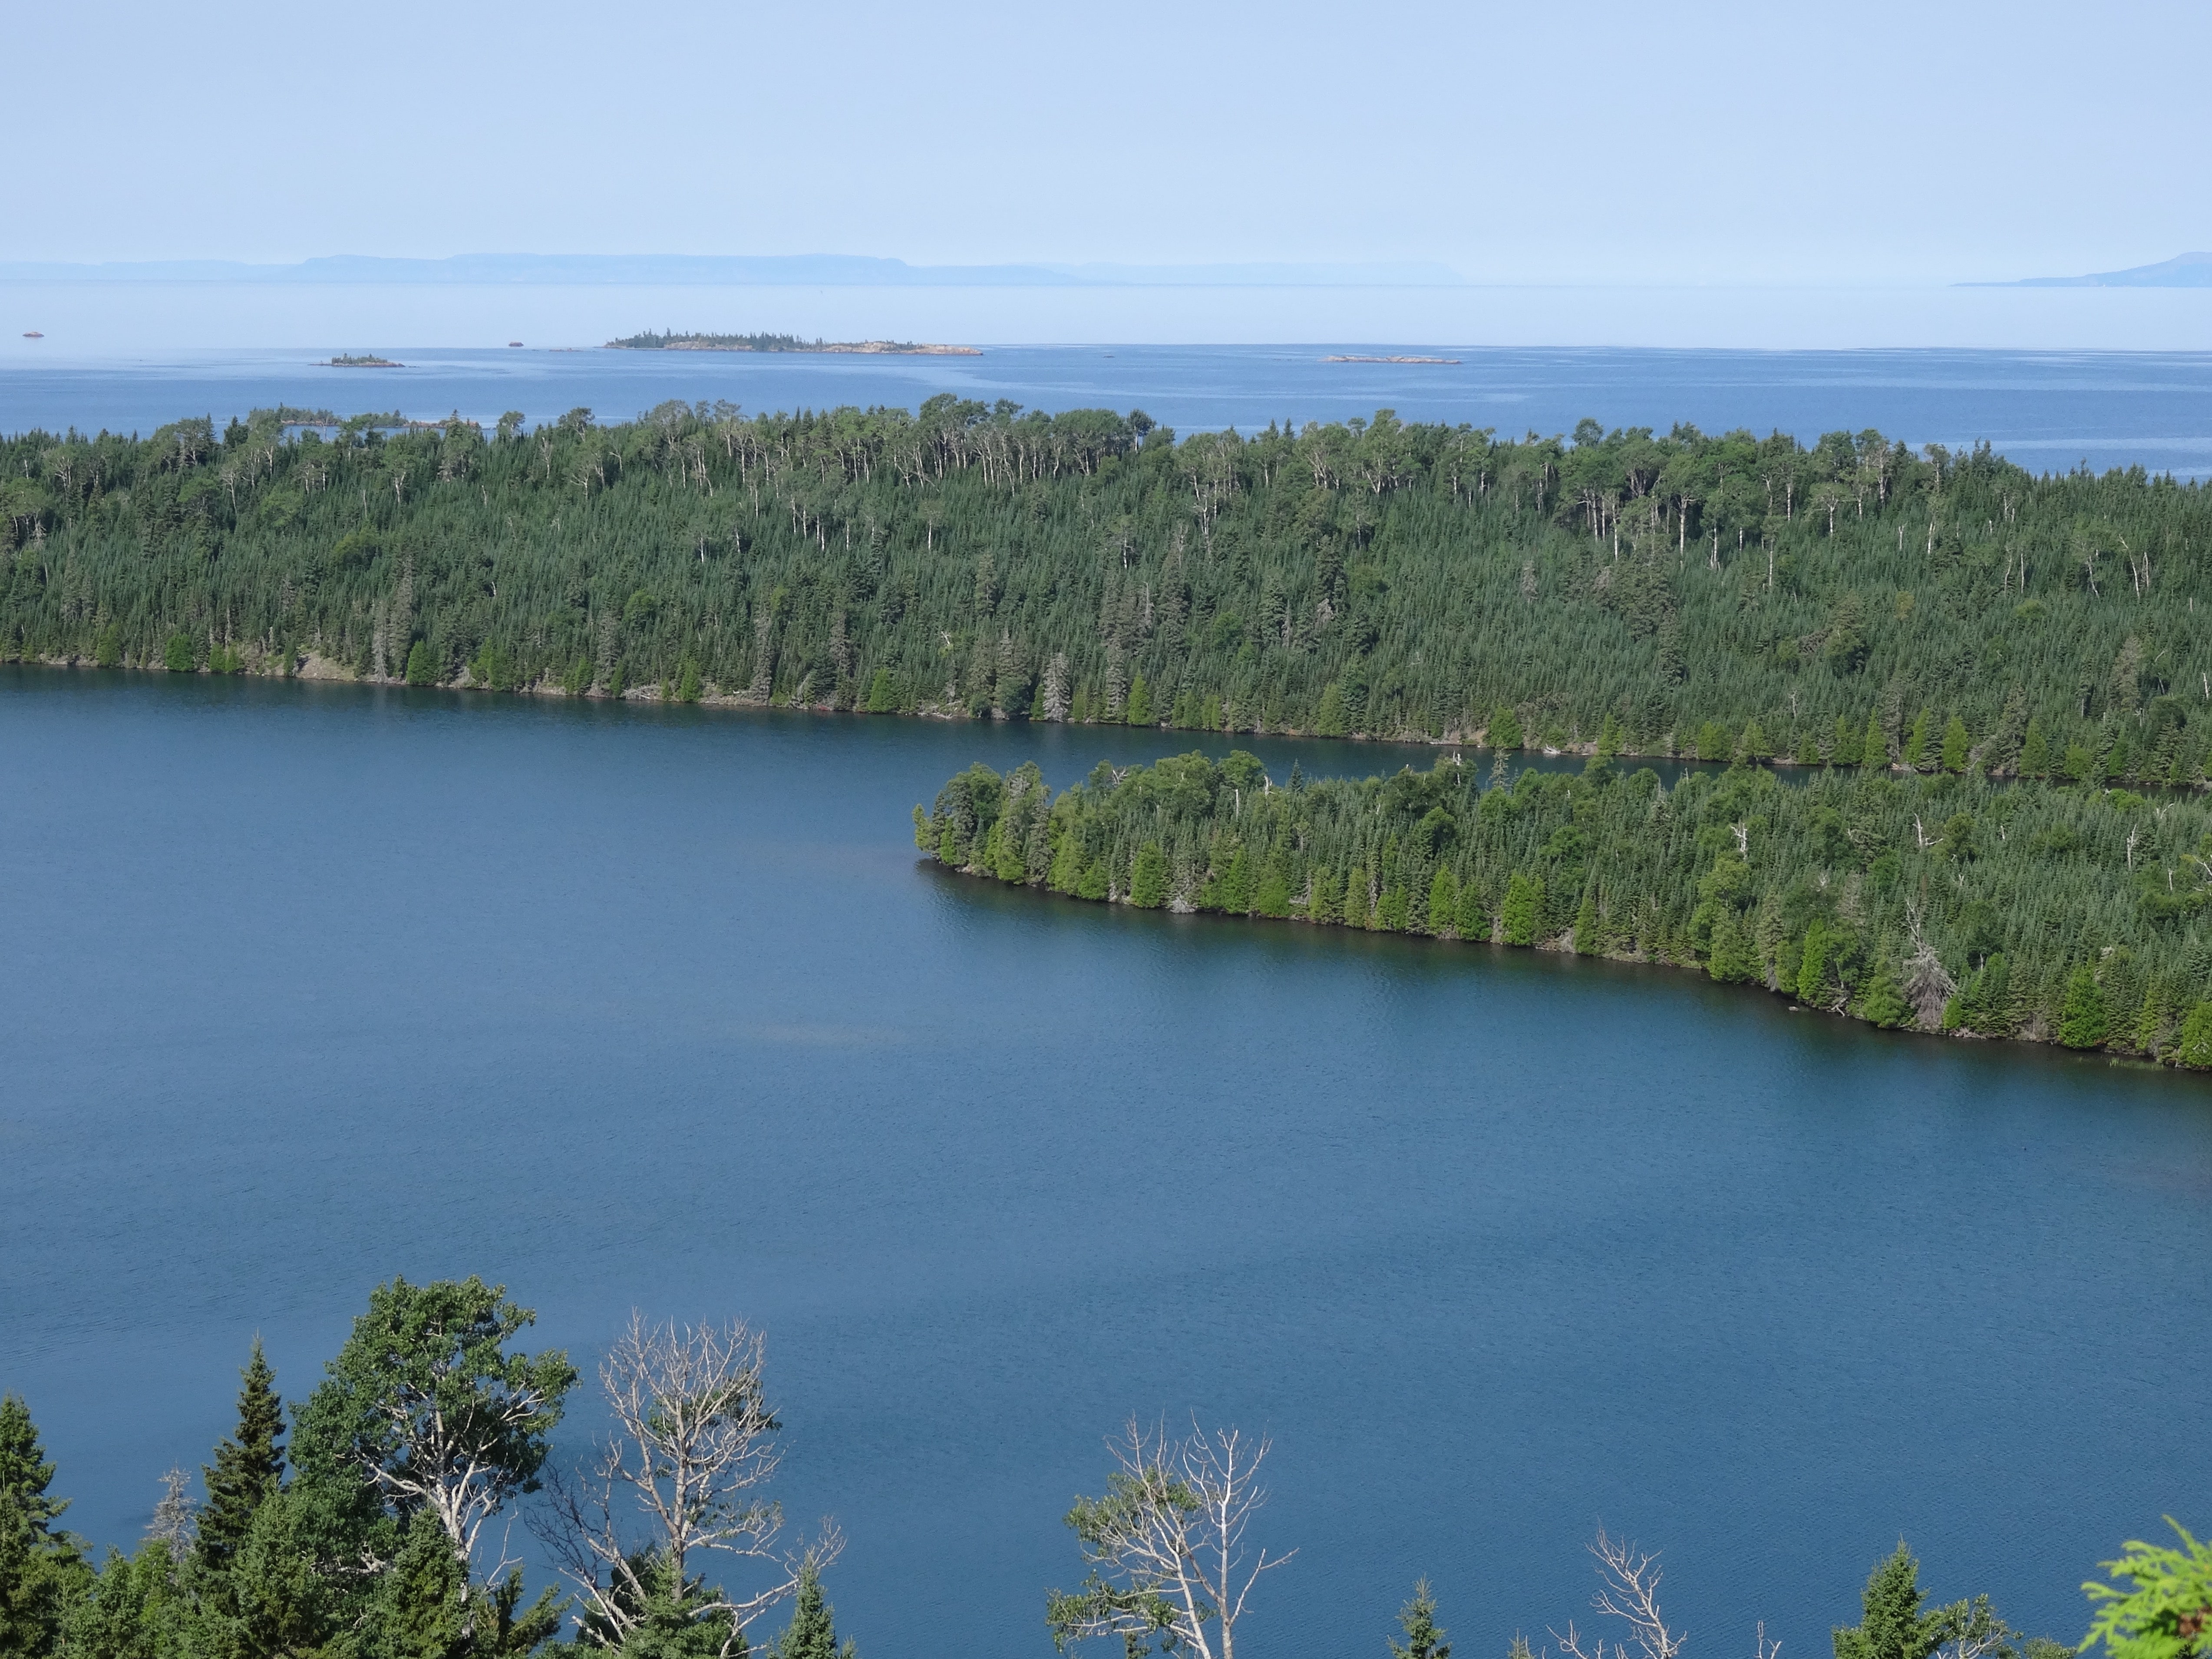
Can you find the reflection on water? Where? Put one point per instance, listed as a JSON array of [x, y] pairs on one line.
[[659, 1007]]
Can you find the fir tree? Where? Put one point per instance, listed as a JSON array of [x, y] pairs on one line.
[[2084, 1021], [1892, 1625], [1884, 1004], [1916, 741], [1418, 1619], [1148, 877], [1140, 703], [248, 1467], [2035, 753], [1956, 745], [25, 1469], [812, 1633], [1443, 902], [1874, 750], [421, 671]]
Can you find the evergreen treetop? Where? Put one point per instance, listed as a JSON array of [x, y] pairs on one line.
[[248, 1467]]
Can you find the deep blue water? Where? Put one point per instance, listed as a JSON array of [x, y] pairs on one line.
[[2048, 411], [311, 985]]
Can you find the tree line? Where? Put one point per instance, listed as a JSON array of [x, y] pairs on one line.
[[1851, 602], [369, 1535], [2080, 914]]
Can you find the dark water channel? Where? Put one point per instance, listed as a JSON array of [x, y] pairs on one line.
[[308, 986]]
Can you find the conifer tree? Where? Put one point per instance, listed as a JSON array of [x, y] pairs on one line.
[[1148, 877], [2035, 753], [248, 1467], [2083, 1021], [1956, 745], [812, 1633], [1874, 750], [1418, 1619], [25, 1469], [1443, 902], [421, 671], [1892, 1625]]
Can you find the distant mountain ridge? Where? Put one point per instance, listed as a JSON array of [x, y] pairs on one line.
[[2183, 270], [734, 269]]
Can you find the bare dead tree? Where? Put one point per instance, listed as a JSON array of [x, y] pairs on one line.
[[176, 1517], [693, 1446], [1628, 1589], [1166, 1545]]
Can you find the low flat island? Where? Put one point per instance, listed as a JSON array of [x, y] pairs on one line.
[[365, 361], [651, 342]]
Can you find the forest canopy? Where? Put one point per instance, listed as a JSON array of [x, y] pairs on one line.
[[2076, 915], [1850, 601]]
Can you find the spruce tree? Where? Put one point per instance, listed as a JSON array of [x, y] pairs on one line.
[[1418, 1619], [1892, 1625], [25, 1468], [1956, 745], [247, 1469], [812, 1633], [2084, 1022]]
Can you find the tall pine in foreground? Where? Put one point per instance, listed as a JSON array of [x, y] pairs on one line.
[[42, 1573], [25, 1469], [248, 1468], [1892, 1625]]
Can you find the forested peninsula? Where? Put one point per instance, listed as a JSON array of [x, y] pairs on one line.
[[2055, 913], [1848, 603]]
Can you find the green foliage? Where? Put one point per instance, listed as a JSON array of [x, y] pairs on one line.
[[43, 1575], [2195, 1046], [2084, 1020], [1522, 915], [26, 1471], [1424, 1640], [1369, 577], [248, 1467], [424, 1394], [812, 1633], [1892, 1625], [2161, 1606], [1932, 902]]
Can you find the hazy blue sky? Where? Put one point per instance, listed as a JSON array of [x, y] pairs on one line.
[[1603, 143]]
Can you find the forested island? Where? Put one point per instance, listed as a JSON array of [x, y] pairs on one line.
[[656, 342], [2079, 915], [1849, 604], [376, 1524]]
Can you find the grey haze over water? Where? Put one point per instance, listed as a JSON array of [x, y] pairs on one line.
[[620, 1006], [2046, 411]]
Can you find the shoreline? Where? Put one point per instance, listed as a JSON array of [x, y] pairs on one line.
[[322, 671]]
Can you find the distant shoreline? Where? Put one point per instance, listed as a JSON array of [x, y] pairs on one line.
[[1389, 360], [786, 344]]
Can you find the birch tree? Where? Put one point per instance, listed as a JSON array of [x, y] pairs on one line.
[[1167, 1544], [675, 1492], [426, 1406]]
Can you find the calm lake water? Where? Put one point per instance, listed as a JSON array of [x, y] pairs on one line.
[[312, 985], [2048, 411]]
